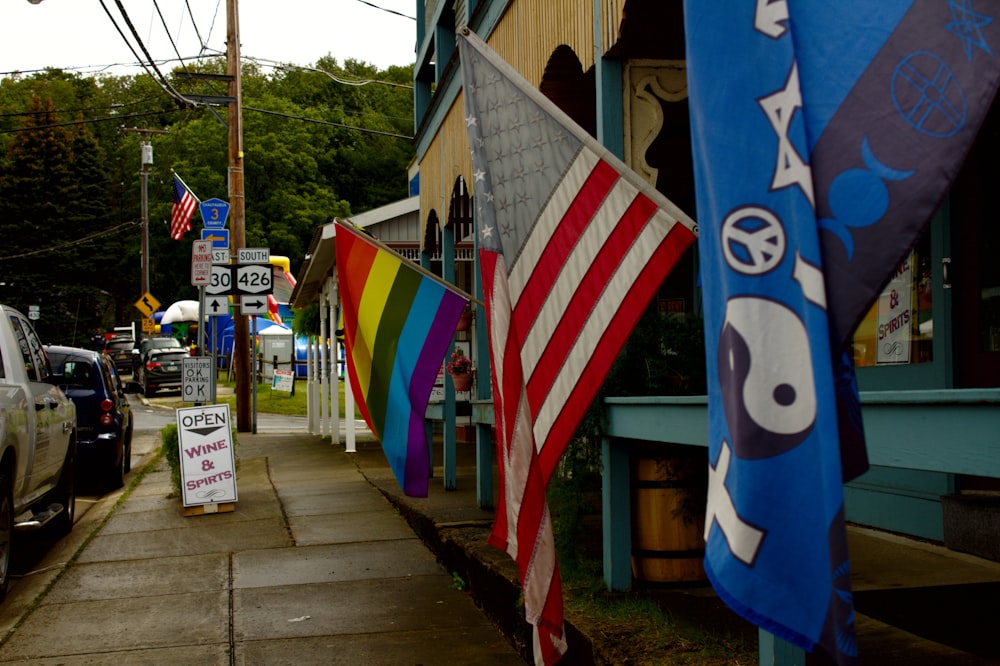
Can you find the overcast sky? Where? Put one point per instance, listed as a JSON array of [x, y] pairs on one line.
[[79, 33]]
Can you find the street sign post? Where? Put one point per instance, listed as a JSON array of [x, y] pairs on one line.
[[216, 306], [197, 379], [219, 237], [147, 305], [253, 305], [208, 465], [214, 213], [222, 280], [254, 279], [201, 263], [253, 255], [246, 280]]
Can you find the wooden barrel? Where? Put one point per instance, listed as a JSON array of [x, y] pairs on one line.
[[669, 490]]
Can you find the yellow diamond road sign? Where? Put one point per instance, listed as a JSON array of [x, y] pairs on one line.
[[147, 304]]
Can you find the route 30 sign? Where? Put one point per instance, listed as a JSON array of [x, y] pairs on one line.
[[248, 279]]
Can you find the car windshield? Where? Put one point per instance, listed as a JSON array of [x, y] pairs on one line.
[[119, 345]]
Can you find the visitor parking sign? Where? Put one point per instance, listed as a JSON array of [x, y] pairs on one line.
[[197, 379], [207, 461]]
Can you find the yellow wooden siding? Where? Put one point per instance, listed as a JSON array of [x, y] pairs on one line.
[[530, 30], [446, 159], [611, 21], [525, 37]]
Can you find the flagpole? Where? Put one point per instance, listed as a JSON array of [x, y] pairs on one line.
[[190, 191], [415, 266]]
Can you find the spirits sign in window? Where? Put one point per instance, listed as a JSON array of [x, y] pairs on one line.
[[899, 329], [893, 317]]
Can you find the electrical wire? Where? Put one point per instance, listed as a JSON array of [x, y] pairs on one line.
[[170, 38], [73, 243], [327, 122], [388, 11], [88, 121], [158, 77], [162, 80]]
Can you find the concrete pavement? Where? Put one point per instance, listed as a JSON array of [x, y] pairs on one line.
[[324, 561], [313, 567]]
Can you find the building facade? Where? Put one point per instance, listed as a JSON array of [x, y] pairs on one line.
[[929, 374]]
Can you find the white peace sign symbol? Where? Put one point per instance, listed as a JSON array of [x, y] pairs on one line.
[[760, 247]]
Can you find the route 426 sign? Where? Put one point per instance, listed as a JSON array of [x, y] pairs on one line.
[[207, 462], [246, 279]]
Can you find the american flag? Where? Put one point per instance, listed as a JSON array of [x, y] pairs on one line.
[[180, 214], [572, 247]]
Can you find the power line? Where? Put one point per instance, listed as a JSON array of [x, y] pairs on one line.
[[69, 123], [169, 89], [328, 122], [73, 243], [264, 62], [388, 11]]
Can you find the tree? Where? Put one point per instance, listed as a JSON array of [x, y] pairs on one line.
[[318, 145]]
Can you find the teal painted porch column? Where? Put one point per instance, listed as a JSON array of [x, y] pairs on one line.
[[450, 436]]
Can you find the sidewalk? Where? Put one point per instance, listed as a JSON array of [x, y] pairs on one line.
[[917, 604], [313, 567]]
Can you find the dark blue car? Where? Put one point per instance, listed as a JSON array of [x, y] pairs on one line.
[[103, 414]]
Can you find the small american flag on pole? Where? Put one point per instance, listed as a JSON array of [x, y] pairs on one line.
[[180, 214], [573, 246]]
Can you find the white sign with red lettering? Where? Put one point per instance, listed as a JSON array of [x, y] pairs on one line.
[[201, 263], [208, 464]]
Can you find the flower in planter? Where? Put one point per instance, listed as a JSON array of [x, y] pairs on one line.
[[459, 363]]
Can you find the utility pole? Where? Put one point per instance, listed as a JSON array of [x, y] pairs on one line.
[[147, 161], [237, 212]]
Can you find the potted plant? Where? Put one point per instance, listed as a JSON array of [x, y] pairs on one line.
[[460, 369]]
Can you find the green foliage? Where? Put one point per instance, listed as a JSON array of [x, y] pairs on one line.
[[171, 451], [306, 321], [665, 355], [71, 186]]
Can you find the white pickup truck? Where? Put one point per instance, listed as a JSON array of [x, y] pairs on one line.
[[37, 440]]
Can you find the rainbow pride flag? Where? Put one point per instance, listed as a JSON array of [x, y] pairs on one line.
[[398, 325]]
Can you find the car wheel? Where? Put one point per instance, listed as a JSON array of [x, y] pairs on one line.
[[115, 478], [6, 533], [66, 494]]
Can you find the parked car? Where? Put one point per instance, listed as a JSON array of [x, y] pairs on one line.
[[162, 370], [103, 415], [119, 350], [141, 351]]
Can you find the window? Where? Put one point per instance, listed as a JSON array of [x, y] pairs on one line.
[[899, 328], [31, 349]]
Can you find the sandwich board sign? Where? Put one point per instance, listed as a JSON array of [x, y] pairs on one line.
[[207, 461]]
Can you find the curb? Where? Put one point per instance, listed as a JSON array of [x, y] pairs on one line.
[[491, 579]]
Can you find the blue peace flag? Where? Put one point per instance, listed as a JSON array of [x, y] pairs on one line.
[[825, 135]]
